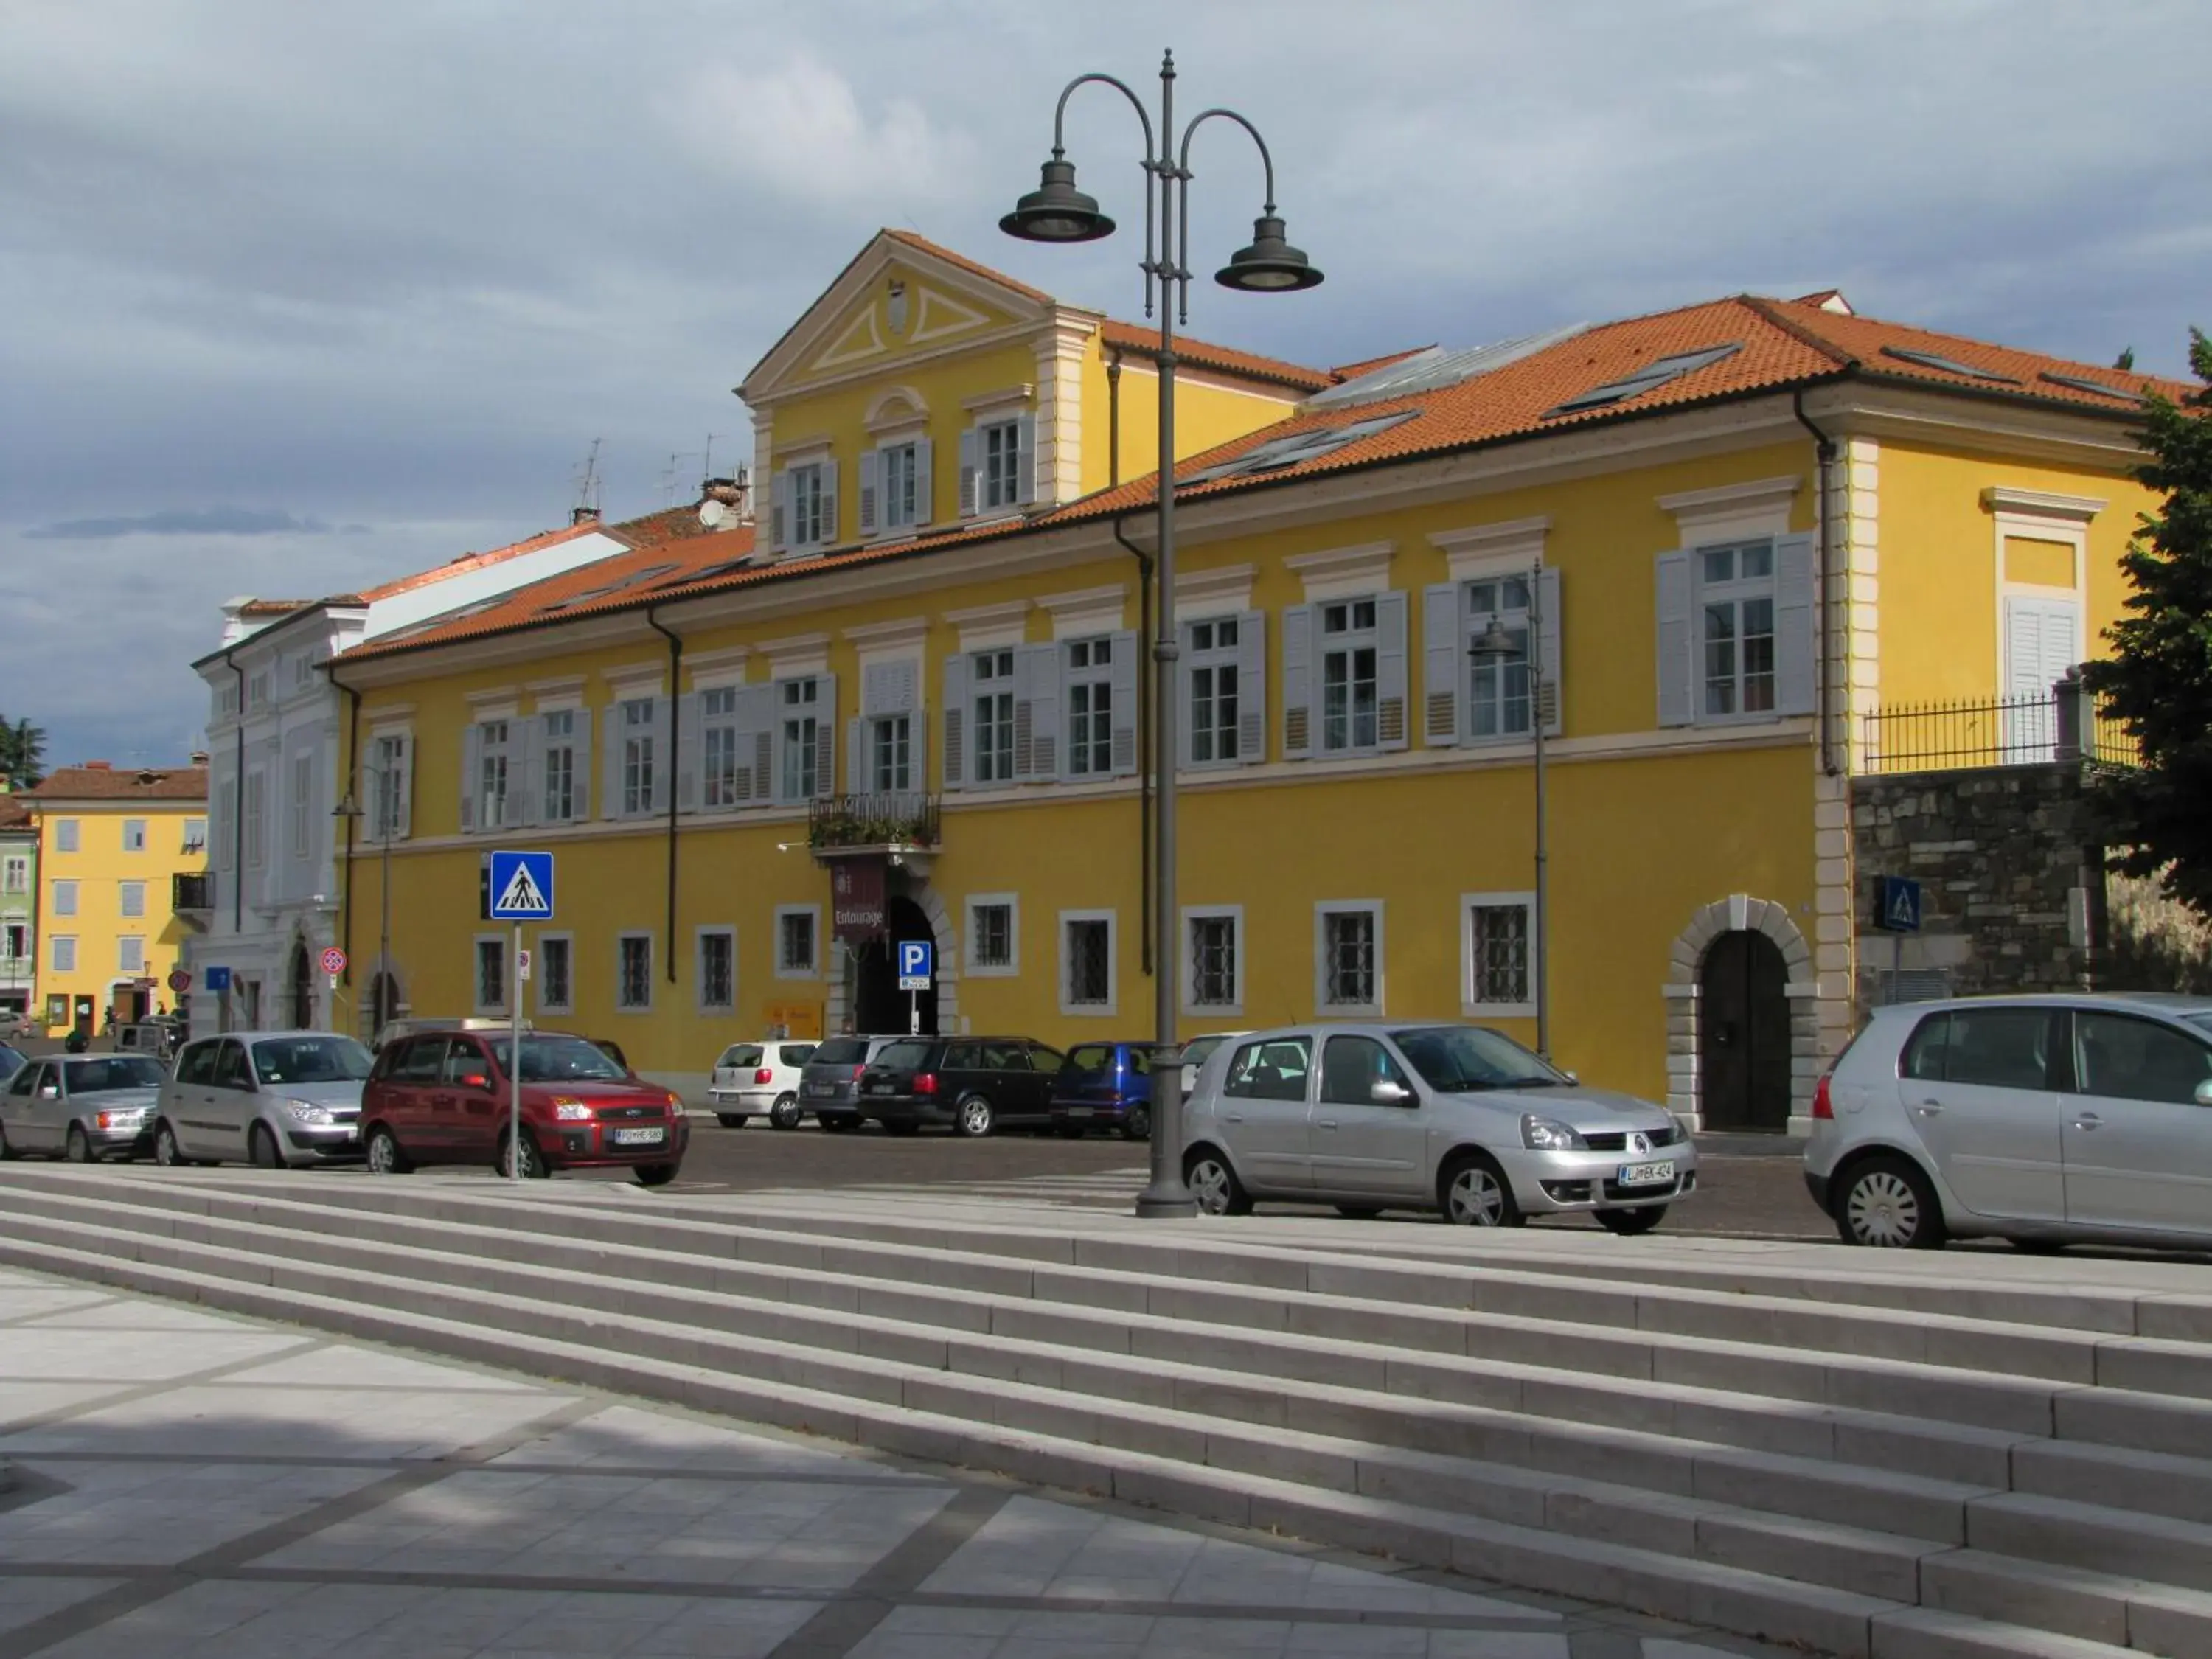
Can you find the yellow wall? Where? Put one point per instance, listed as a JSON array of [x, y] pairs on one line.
[[99, 867], [1209, 412]]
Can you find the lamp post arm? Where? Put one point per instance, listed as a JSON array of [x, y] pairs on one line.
[[1178, 276], [1153, 166]]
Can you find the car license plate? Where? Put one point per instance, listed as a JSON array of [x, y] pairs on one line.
[[879, 1088], [1077, 1111], [652, 1137], [1647, 1175], [819, 1088]]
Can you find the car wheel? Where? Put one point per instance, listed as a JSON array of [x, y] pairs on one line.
[[534, 1161], [974, 1117], [78, 1148], [385, 1157], [261, 1149], [1887, 1203], [786, 1112], [166, 1152], [1630, 1224], [1360, 1211], [731, 1120], [1214, 1184], [654, 1175], [1137, 1123], [1474, 1193]]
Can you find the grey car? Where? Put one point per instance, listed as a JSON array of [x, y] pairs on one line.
[[98, 1106], [829, 1082], [271, 1098], [2044, 1120], [1459, 1118]]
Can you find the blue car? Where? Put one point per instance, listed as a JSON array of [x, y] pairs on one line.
[[1105, 1086]]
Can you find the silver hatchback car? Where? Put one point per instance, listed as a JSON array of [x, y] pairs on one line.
[[1459, 1118], [272, 1098], [2044, 1120]]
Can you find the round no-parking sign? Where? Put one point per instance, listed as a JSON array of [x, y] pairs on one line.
[[334, 960], [180, 980]]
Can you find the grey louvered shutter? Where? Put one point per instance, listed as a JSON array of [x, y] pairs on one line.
[[1121, 719], [1553, 690], [780, 509], [872, 462], [525, 770], [1298, 682], [471, 770], [1677, 668], [580, 775], [856, 755], [1391, 691], [690, 743], [663, 751], [610, 764], [1793, 655], [1184, 669], [954, 690], [925, 482], [1025, 467], [756, 743], [918, 753], [1036, 711], [826, 740], [830, 525], [968, 473], [404, 812], [1252, 687], [1443, 635]]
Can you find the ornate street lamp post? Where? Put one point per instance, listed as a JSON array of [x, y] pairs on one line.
[[1056, 211]]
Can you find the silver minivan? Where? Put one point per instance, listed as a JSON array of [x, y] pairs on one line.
[[270, 1098], [1459, 1118], [2044, 1120]]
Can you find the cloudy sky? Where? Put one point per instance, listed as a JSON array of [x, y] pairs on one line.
[[296, 297]]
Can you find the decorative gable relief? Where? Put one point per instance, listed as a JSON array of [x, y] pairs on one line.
[[862, 340], [938, 317]]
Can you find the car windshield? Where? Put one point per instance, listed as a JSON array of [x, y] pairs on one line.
[[741, 1054], [2202, 1021], [841, 1051], [311, 1060], [1086, 1057], [10, 1062], [90, 1076], [902, 1056], [555, 1059], [1461, 1059], [1196, 1051]]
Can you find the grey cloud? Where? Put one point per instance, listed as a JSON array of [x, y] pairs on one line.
[[209, 521]]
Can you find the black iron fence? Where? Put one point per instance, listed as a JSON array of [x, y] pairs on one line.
[[1934, 736], [193, 891], [900, 818]]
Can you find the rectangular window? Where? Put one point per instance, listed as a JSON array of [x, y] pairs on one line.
[[560, 731], [226, 700], [892, 743], [992, 673], [718, 970], [1214, 973], [1349, 942], [808, 520], [1213, 691], [999, 447], [1347, 676], [801, 734], [555, 957], [133, 899], [491, 775], [634, 972], [901, 482], [256, 819], [1086, 963], [195, 839], [491, 974], [130, 954], [1498, 945], [257, 690], [388, 759], [18, 876], [61, 953], [1735, 592], [134, 834], [64, 898], [796, 929], [1497, 691], [637, 756], [992, 949], [718, 762], [303, 670], [303, 791], [1090, 708], [65, 834], [17, 939]]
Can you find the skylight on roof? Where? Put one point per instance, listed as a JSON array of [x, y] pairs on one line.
[[1299, 448], [2082, 383], [1653, 376], [591, 594], [1948, 364], [1425, 371], [711, 572]]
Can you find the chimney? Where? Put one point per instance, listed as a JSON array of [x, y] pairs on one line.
[[583, 515], [730, 493], [198, 757], [99, 766]]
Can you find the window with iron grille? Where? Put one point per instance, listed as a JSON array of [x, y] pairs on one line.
[[634, 971], [795, 942], [1088, 949], [718, 969], [1348, 958], [1214, 981], [1090, 708], [991, 937], [1497, 943], [556, 993], [491, 973]]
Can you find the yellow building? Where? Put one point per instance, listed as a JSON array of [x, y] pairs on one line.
[[119, 852], [908, 702]]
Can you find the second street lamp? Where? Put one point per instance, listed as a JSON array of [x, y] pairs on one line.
[[1056, 211], [1499, 645]]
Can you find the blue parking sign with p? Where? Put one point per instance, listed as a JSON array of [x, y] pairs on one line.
[[915, 963], [521, 886]]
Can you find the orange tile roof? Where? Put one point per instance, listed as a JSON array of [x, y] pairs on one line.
[[1226, 359], [14, 815], [100, 781], [923, 244]]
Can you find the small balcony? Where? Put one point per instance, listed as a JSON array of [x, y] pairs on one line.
[[2028, 731], [192, 896], [898, 822]]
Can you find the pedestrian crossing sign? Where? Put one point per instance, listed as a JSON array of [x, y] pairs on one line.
[[521, 886], [1898, 905]]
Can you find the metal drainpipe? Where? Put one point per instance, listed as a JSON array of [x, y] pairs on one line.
[[674, 739], [1143, 649], [238, 809], [1825, 450], [353, 819]]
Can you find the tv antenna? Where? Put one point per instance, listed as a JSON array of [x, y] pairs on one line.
[[587, 482]]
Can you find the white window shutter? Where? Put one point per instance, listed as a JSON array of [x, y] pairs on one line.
[[526, 766], [925, 482], [1252, 687], [968, 473], [1184, 669], [1675, 646], [1123, 717], [756, 723], [829, 504], [870, 466], [955, 692], [610, 767], [825, 742], [918, 751], [580, 772], [690, 742], [471, 768], [1390, 671], [663, 751], [876, 688], [906, 686], [1298, 682], [1548, 634], [1793, 655], [856, 755], [1025, 461], [1037, 712], [1444, 653], [779, 508]]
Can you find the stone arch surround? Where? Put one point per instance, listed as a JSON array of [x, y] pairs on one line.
[[1739, 913], [837, 1003]]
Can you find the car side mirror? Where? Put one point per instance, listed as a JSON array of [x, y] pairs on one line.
[[1387, 1093], [2204, 1092]]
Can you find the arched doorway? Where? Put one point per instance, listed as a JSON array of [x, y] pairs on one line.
[[300, 988], [878, 1004], [1743, 1034]]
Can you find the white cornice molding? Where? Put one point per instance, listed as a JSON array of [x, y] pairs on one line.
[[1086, 609], [1759, 507], [803, 449], [796, 654], [990, 627], [493, 695], [876, 641], [631, 679], [1341, 572], [1486, 550], [388, 714], [1021, 392], [554, 687], [2004, 500], [1218, 592], [725, 656]]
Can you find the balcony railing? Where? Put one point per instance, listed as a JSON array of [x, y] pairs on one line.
[[194, 891], [1940, 737], [900, 818]]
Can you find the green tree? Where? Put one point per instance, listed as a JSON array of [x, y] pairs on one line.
[[2157, 681], [22, 754]]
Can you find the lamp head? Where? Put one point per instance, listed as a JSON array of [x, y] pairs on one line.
[[1055, 212], [1492, 644], [1270, 265]]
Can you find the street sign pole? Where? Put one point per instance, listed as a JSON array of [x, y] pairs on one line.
[[514, 1062]]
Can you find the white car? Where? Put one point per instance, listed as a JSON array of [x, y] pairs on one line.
[[1196, 1052], [752, 1079]]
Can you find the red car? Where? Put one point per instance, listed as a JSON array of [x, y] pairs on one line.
[[443, 1098]]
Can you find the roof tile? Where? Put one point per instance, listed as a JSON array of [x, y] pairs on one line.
[[72, 783]]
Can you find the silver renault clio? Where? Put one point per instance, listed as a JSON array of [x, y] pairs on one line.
[[1459, 1118]]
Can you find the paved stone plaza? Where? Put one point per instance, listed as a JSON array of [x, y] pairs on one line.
[[182, 1483]]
